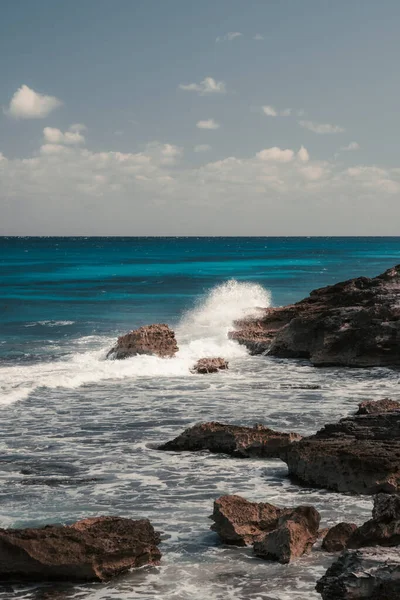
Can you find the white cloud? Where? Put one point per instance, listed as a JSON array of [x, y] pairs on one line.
[[258, 37], [78, 127], [207, 86], [303, 155], [276, 155], [207, 124], [321, 128], [269, 111], [28, 104], [202, 148], [350, 147], [70, 137], [228, 37]]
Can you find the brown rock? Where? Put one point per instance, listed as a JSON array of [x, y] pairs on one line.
[[233, 439], [337, 537], [92, 549], [372, 574], [210, 365], [295, 534], [156, 339], [358, 454], [370, 407], [384, 527], [240, 522], [353, 323]]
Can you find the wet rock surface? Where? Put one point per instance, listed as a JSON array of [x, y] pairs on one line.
[[337, 537], [384, 527], [368, 574], [233, 439], [353, 323], [157, 339], [358, 454], [210, 365], [295, 534], [92, 549], [370, 407]]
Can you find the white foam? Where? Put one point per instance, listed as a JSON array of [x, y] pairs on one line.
[[50, 323], [202, 332]]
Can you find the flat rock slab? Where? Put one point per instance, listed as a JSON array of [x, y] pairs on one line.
[[157, 339], [370, 407], [360, 575], [233, 439], [354, 323], [93, 549], [359, 454]]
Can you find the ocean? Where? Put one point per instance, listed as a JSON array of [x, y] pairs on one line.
[[79, 432]]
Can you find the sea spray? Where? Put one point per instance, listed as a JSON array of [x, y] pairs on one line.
[[202, 332]]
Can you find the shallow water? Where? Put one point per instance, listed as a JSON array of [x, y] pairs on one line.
[[79, 432]]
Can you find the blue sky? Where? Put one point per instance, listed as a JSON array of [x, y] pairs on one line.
[[174, 117]]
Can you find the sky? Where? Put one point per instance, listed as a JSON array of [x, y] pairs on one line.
[[219, 117]]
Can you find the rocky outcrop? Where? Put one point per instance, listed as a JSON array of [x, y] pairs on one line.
[[360, 575], [353, 323], [358, 454], [156, 339], [240, 522], [370, 407], [384, 527], [92, 549], [338, 536], [210, 365], [295, 534], [233, 439]]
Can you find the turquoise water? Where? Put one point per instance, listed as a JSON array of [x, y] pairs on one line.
[[79, 432]]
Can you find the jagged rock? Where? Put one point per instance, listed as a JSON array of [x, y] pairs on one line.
[[353, 323], [295, 534], [91, 549], [369, 574], [210, 365], [384, 527], [233, 439], [370, 407], [358, 454], [337, 537], [240, 522], [156, 339]]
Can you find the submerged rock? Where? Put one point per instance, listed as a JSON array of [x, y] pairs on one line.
[[370, 407], [338, 536], [295, 534], [210, 365], [240, 522], [353, 323], [358, 454], [360, 575], [157, 339], [233, 439], [91, 549]]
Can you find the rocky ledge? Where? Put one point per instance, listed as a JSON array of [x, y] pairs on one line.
[[354, 323], [359, 454], [93, 549], [368, 574], [157, 339], [210, 365], [280, 534], [233, 439]]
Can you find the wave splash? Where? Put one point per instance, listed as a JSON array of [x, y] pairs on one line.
[[203, 331]]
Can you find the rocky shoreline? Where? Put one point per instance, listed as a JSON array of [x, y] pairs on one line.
[[355, 324]]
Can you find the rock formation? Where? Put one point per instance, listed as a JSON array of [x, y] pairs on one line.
[[353, 323], [369, 407], [360, 575], [358, 454], [233, 439], [338, 536], [92, 549], [210, 365], [156, 339], [384, 527]]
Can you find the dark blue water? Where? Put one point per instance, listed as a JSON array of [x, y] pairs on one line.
[[78, 431]]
